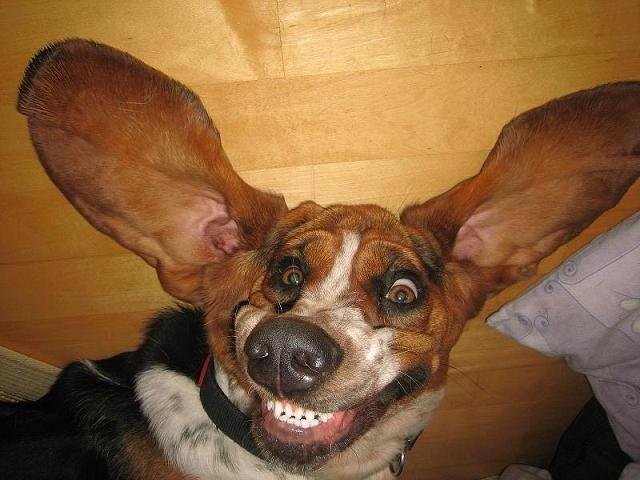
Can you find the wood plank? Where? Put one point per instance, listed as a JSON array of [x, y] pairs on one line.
[[41, 225], [526, 425], [327, 36], [394, 113], [448, 421], [474, 471], [31, 292], [512, 384], [59, 341], [506, 447]]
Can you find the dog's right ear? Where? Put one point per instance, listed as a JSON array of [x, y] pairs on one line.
[[138, 156], [553, 170]]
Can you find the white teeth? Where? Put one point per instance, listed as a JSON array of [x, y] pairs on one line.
[[325, 417], [276, 407], [295, 415]]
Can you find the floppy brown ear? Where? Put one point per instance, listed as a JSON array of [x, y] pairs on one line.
[[137, 154], [553, 170]]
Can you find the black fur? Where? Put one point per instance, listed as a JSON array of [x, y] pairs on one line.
[[76, 430]]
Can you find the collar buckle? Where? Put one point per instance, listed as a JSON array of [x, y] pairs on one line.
[[396, 465]]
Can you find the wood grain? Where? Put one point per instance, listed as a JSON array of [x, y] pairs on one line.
[[327, 36], [367, 101]]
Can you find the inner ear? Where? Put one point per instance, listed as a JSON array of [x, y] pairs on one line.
[[220, 230]]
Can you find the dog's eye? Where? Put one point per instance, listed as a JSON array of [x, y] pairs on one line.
[[292, 276], [402, 291]]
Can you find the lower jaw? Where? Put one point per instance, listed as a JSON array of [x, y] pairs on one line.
[[306, 448]]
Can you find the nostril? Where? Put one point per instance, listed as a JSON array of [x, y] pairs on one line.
[[310, 361], [257, 351]]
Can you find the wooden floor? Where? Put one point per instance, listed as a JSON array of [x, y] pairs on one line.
[[335, 101]]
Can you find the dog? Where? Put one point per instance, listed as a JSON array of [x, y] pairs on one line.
[[313, 342]]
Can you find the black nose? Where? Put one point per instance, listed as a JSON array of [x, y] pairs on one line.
[[289, 355]]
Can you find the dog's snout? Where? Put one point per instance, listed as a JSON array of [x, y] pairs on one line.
[[289, 355]]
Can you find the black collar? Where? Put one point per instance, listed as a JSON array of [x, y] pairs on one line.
[[222, 412]]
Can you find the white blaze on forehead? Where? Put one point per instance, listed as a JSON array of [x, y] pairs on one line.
[[336, 283]]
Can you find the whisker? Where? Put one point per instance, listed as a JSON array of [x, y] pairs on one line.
[[402, 387], [417, 382], [404, 201], [355, 454], [467, 377]]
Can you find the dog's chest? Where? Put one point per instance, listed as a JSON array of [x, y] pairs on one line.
[[186, 435]]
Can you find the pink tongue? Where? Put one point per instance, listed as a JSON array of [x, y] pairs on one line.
[[326, 432]]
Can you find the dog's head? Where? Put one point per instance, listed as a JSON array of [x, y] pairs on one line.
[[333, 320]]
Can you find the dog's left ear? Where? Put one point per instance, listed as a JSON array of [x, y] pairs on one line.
[[137, 154], [553, 170]]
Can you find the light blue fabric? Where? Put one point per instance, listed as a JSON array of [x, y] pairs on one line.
[[588, 311]]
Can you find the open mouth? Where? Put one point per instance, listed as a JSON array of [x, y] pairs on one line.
[[302, 437], [293, 424]]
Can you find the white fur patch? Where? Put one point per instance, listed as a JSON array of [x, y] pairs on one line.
[[374, 354], [371, 350], [186, 435]]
